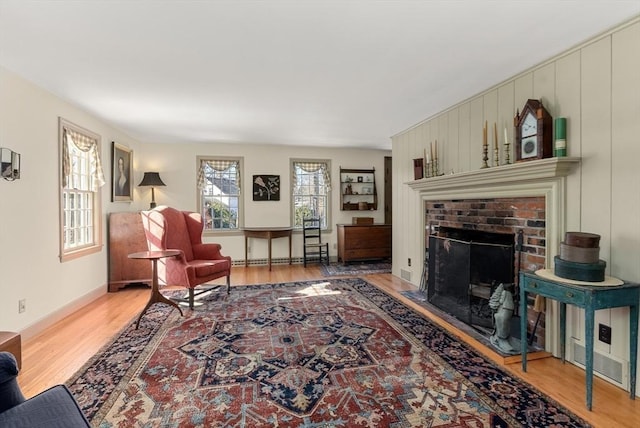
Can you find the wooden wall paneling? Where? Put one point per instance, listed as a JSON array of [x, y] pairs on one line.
[[596, 154], [625, 150], [476, 122], [465, 138], [442, 137], [452, 145], [568, 105], [490, 109], [416, 138], [403, 172], [522, 90], [596, 141], [544, 86], [423, 138], [506, 112]]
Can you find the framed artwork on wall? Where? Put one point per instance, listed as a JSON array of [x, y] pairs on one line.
[[121, 173], [266, 187]]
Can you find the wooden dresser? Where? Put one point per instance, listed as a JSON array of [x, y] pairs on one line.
[[363, 241], [126, 236]]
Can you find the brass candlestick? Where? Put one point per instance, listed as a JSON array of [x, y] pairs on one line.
[[496, 156], [435, 167], [507, 149], [485, 156]]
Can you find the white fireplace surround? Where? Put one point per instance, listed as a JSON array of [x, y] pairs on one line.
[[545, 177]]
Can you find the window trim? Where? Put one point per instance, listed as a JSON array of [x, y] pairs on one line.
[[75, 253], [223, 232], [292, 208]]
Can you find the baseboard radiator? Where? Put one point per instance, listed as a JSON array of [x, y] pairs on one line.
[[274, 261], [605, 366]]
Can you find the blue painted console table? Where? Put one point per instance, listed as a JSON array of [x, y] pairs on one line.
[[590, 298]]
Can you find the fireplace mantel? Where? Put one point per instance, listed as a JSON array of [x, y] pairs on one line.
[[544, 177], [496, 177]]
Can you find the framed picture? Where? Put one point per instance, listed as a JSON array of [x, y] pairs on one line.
[[266, 187], [360, 179], [121, 173]]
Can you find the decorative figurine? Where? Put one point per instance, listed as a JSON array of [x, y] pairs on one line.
[[502, 303]]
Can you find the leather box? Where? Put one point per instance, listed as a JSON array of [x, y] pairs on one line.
[[362, 220]]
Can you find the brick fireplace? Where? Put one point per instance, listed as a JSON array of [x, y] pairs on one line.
[[502, 216], [527, 196]]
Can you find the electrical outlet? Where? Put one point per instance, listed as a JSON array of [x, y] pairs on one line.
[[409, 261], [604, 334], [335, 245], [22, 305]]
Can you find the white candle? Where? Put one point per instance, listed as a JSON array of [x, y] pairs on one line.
[[506, 140]]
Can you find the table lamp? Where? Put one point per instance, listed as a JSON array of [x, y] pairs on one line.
[[152, 179]]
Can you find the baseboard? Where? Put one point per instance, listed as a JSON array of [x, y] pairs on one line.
[[63, 312]]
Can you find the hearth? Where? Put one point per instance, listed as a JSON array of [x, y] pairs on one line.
[[460, 200], [465, 267]]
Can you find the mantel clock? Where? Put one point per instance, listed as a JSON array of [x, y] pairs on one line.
[[534, 134]]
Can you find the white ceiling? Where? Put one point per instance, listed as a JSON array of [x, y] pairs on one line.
[[303, 72]]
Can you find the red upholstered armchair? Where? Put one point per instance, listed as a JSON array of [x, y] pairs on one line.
[[168, 228]]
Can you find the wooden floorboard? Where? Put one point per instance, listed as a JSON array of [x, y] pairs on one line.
[[54, 355]]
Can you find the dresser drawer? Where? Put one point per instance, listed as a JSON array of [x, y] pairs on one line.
[[561, 293]]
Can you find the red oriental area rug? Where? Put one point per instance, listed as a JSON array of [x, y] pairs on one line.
[[326, 353]]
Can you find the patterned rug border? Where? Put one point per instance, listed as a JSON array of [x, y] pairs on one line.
[[340, 269], [153, 328], [476, 353]]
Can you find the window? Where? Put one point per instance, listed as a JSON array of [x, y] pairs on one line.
[[220, 189], [311, 184], [81, 179]]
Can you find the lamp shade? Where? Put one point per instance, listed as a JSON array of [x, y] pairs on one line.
[[151, 179]]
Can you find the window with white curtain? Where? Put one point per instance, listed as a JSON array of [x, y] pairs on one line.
[[219, 188], [81, 178], [311, 183]]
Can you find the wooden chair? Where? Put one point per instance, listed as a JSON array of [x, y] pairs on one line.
[[168, 228], [313, 249]]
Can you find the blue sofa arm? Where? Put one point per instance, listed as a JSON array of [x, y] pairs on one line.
[[52, 408]]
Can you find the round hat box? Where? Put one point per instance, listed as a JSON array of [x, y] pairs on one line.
[[579, 254], [590, 272], [582, 239]]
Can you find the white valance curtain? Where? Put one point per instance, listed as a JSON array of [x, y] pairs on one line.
[[312, 167], [84, 143], [220, 166]]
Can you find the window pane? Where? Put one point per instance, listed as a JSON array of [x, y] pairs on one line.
[[310, 195], [77, 202], [220, 196]]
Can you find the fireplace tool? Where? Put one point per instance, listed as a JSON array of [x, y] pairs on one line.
[[516, 291]]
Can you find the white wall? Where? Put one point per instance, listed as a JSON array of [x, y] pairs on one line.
[[178, 167], [30, 267], [597, 87], [29, 210]]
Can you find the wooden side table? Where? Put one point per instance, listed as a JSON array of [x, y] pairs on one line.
[[590, 298], [11, 342], [266, 233], [156, 296]]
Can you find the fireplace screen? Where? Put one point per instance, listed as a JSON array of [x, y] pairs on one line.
[[465, 267]]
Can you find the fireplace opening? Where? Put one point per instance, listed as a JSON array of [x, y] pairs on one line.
[[464, 268]]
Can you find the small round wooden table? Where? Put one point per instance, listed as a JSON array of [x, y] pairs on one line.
[[156, 296]]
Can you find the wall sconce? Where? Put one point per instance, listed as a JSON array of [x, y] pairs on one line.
[[9, 164], [152, 179]]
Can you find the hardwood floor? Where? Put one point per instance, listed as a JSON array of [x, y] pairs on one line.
[[57, 353]]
